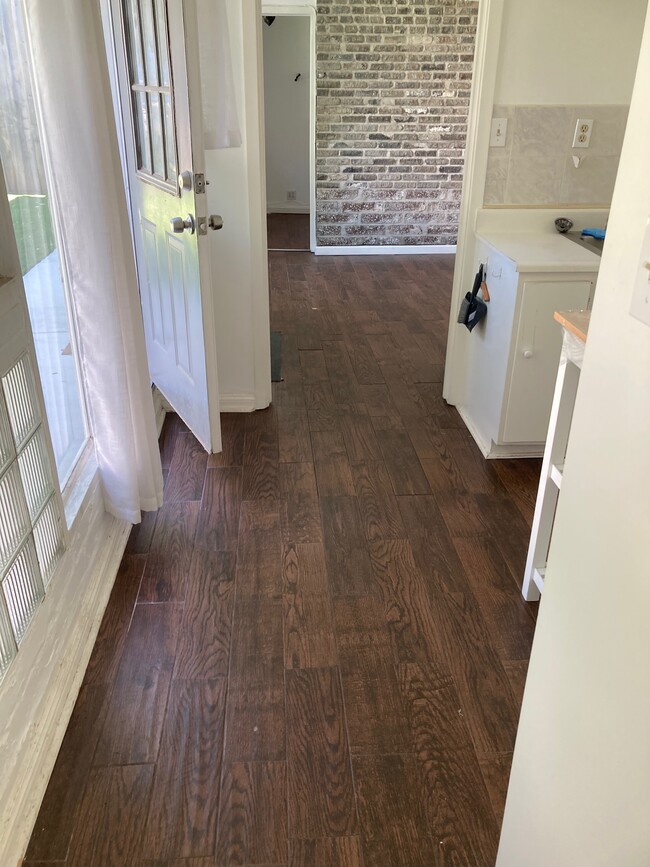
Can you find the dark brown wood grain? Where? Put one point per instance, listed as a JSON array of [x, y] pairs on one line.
[[168, 561], [131, 731], [56, 819], [309, 638], [203, 650], [261, 465], [333, 474], [294, 443], [506, 614], [407, 605], [110, 640], [377, 722], [299, 506], [232, 441], [402, 463], [253, 814], [320, 787], [218, 523], [288, 231], [456, 802], [182, 818], [186, 470], [112, 816], [324, 662], [326, 852], [377, 503], [259, 554], [359, 434], [348, 561]]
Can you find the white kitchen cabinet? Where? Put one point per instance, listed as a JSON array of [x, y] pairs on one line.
[[513, 354]]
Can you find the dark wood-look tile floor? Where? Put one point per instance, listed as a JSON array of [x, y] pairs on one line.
[[313, 655], [287, 231]]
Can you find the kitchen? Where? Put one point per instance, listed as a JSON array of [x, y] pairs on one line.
[[547, 143]]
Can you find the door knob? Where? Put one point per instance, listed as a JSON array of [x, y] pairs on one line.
[[178, 224], [215, 222]]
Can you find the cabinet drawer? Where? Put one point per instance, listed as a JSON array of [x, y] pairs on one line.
[[535, 357]]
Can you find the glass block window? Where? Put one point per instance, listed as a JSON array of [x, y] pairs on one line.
[[31, 523], [152, 106]]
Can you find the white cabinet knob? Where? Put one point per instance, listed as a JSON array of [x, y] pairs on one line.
[[528, 353]]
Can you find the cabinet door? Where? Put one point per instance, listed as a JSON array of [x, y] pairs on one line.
[[535, 357]]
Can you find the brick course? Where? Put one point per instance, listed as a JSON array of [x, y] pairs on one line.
[[393, 87]]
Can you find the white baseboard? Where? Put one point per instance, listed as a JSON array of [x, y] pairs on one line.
[[39, 691], [237, 403], [491, 451], [388, 250], [287, 208]]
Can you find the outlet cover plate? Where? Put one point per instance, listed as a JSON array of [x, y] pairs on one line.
[[582, 134]]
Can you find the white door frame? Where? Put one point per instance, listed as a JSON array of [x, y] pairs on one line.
[[486, 60], [306, 10]]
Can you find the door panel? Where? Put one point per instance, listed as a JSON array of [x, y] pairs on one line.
[[536, 356], [174, 277]]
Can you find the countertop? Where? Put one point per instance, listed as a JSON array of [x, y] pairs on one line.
[[540, 251], [575, 321]]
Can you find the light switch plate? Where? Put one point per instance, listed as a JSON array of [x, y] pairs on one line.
[[640, 308], [498, 132]]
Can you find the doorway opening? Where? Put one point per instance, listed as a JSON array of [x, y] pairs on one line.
[[290, 127]]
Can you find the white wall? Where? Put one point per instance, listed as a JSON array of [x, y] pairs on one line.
[[569, 51], [238, 251], [580, 786], [286, 109]]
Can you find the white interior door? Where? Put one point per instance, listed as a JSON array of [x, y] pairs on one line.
[[157, 61]]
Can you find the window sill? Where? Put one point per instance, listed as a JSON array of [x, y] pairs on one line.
[[77, 487]]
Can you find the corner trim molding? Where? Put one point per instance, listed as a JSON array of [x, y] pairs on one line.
[[237, 403], [388, 250]]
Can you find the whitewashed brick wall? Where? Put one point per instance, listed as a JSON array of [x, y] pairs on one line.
[[393, 81]]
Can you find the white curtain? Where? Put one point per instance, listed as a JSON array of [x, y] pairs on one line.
[[220, 119], [80, 142]]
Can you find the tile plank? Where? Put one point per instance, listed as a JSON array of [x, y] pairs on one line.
[[112, 816], [348, 562], [131, 732], [299, 506], [168, 562], [218, 520], [259, 555], [186, 470], [182, 820], [253, 815], [203, 651], [320, 786]]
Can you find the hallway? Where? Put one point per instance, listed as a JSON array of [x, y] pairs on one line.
[[314, 654]]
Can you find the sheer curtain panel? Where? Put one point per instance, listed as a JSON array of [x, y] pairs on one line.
[[80, 144]]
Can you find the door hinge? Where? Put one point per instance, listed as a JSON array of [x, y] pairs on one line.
[[199, 182], [202, 225]]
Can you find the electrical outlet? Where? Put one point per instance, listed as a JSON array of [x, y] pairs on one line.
[[291, 195], [498, 132], [582, 135]]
